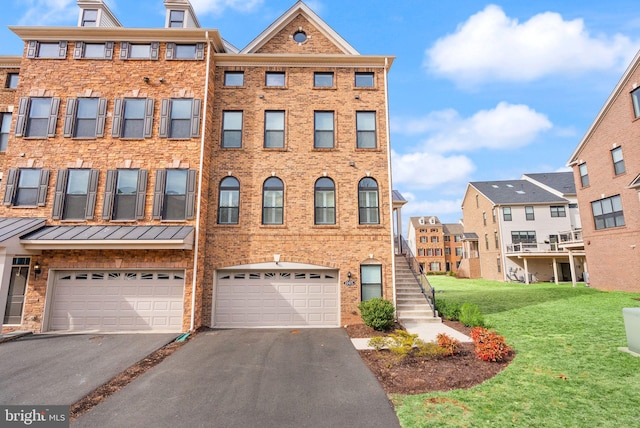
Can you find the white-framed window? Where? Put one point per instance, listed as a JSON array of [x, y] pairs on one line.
[[366, 130], [618, 161], [368, 203], [180, 118], [370, 281], [89, 18], [323, 79], [584, 174], [274, 129], [323, 130], [608, 213], [558, 211], [185, 51], [125, 194], [275, 78], [635, 99], [91, 50], [229, 201], [47, 50], [75, 196], [529, 213], [273, 201], [325, 201], [5, 127], [26, 187], [174, 194], [129, 50], [364, 79], [232, 129], [132, 118], [506, 214], [234, 78], [176, 19]]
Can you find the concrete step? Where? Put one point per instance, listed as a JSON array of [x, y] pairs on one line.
[[403, 307]]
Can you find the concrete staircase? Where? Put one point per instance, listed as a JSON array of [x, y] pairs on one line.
[[411, 305]]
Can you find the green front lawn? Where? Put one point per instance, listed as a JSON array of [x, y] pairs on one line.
[[568, 371]]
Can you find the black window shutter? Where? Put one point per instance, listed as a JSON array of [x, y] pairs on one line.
[[142, 193], [62, 52], [53, 117], [108, 50], [158, 193], [191, 194], [77, 51], [70, 117], [92, 192], [155, 50], [42, 188], [195, 118], [118, 117], [148, 118], [200, 51], [171, 47], [124, 50], [32, 49], [109, 191], [102, 114], [164, 118], [21, 122], [10, 190], [58, 198]]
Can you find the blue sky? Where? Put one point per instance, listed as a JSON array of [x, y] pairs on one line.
[[478, 91]]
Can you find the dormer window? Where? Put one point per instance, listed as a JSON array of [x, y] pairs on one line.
[[176, 19], [89, 18]]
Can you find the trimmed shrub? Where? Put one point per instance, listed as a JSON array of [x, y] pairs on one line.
[[377, 313], [470, 315], [448, 343], [403, 344], [489, 346], [447, 309]]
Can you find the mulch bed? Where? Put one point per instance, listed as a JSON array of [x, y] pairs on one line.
[[417, 375]]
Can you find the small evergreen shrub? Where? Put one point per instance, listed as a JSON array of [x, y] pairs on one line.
[[377, 313], [489, 346], [470, 315], [447, 309], [431, 350], [448, 343], [403, 344]]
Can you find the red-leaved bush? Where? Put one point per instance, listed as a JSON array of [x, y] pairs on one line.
[[489, 346], [448, 343]]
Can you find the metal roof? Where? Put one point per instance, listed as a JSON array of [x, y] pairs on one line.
[[10, 227], [515, 192], [105, 237]]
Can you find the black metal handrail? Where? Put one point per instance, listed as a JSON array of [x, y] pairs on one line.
[[427, 290]]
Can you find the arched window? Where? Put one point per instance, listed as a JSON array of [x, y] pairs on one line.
[[273, 201], [325, 201], [368, 201], [229, 201]]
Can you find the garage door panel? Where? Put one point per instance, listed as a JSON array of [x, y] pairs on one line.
[[276, 299], [117, 301]]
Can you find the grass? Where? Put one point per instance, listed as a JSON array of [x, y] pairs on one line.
[[568, 371]]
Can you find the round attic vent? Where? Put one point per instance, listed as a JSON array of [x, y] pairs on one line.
[[300, 36]]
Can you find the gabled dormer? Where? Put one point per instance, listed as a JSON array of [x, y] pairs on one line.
[[180, 14], [95, 13]]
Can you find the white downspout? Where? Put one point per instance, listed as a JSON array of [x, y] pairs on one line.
[[196, 247], [390, 181]]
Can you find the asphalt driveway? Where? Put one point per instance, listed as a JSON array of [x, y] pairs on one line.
[[253, 378], [50, 369]]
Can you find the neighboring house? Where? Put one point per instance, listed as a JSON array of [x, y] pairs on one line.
[[606, 167], [161, 179], [519, 230], [9, 78], [436, 246]]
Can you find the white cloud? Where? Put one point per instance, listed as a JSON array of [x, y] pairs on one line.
[[427, 170], [49, 12], [218, 6], [490, 46], [506, 126]]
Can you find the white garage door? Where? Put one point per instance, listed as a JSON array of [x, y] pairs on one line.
[[277, 299], [117, 301]]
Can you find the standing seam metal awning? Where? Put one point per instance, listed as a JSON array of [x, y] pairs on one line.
[[109, 238]]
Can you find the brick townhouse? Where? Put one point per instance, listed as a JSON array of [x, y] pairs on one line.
[[606, 170], [162, 179], [437, 246]]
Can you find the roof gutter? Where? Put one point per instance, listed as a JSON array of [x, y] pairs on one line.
[[196, 247]]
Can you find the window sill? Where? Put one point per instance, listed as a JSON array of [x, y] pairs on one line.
[[368, 149], [275, 149], [31, 207], [273, 226], [326, 226], [324, 149], [232, 225], [35, 138], [84, 138], [122, 221], [275, 87], [365, 88], [174, 221], [68, 220], [325, 88], [233, 87], [371, 226]]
